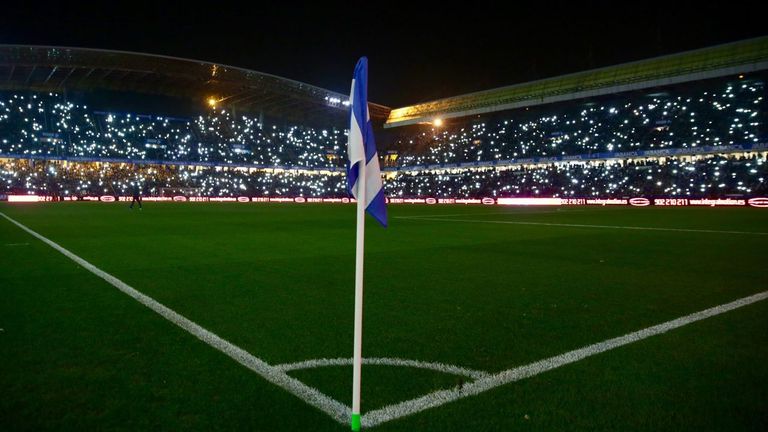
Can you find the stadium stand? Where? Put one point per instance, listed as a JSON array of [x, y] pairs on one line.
[[717, 114], [44, 125], [704, 176], [700, 138]]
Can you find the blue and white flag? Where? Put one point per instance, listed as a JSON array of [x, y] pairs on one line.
[[362, 147]]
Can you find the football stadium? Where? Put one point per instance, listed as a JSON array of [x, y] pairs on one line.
[[180, 248]]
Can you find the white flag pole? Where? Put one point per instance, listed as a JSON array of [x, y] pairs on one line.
[[359, 258]]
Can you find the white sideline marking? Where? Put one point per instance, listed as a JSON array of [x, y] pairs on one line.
[[17, 244], [584, 225], [310, 395], [402, 409], [439, 367]]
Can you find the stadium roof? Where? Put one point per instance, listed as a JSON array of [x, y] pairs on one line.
[[44, 68], [721, 60]]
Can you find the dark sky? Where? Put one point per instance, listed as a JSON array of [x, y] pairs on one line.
[[416, 53]]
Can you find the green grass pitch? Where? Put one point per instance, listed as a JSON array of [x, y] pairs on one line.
[[464, 290]]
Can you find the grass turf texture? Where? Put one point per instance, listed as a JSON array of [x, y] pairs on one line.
[[277, 280]]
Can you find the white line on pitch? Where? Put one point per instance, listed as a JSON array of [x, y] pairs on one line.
[[439, 367], [510, 213], [310, 395], [16, 244], [584, 226], [432, 400]]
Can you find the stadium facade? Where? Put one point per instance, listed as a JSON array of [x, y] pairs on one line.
[[687, 127]]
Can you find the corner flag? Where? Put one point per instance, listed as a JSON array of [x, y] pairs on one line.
[[364, 183], [361, 145]]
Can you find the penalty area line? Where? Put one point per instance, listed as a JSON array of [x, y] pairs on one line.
[[276, 376]]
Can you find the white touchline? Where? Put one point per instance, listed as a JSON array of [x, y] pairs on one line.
[[377, 361], [310, 395], [402, 409], [583, 225]]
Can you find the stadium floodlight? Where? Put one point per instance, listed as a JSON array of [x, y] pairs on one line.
[[212, 101], [437, 122]]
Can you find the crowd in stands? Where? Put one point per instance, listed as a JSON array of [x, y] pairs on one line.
[[713, 176], [45, 125], [705, 177], [220, 154], [59, 178], [713, 115]]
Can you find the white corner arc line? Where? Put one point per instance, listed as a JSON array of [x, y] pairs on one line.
[[386, 361], [441, 397], [585, 226], [310, 395]]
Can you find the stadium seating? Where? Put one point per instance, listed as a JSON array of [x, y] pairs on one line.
[[50, 145], [704, 177], [713, 115], [45, 125]]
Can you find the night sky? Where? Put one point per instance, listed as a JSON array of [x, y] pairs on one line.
[[416, 53]]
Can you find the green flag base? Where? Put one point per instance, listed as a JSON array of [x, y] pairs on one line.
[[355, 422]]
